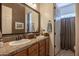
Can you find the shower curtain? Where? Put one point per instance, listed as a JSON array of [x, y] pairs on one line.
[[68, 33]]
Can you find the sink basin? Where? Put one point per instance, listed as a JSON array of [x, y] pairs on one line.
[[40, 37], [19, 42]]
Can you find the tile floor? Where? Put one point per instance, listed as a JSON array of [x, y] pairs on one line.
[[65, 53]]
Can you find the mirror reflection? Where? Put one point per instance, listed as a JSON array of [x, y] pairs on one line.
[[32, 21], [19, 18]]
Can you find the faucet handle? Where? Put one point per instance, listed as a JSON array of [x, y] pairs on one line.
[[17, 38], [20, 36]]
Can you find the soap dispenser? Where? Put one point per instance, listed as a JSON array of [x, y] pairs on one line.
[[1, 40]]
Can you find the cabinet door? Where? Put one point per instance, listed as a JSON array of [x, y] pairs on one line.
[[47, 47], [21, 53], [33, 50], [42, 48]]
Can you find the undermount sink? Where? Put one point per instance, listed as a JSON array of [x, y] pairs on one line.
[[19, 42]]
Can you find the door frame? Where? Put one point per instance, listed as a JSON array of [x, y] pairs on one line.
[[54, 29], [55, 33]]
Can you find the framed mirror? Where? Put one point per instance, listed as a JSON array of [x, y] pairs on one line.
[[17, 18], [32, 19]]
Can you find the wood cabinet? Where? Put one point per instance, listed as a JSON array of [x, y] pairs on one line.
[[47, 47], [22, 53], [40, 48], [33, 50]]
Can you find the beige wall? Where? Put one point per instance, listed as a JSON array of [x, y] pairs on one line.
[[46, 11], [77, 30]]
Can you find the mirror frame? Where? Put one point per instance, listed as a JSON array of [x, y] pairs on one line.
[[38, 17], [24, 32]]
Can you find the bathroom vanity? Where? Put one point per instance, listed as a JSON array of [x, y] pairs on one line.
[[22, 20], [37, 47]]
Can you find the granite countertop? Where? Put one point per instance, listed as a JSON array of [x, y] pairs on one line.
[[10, 50]]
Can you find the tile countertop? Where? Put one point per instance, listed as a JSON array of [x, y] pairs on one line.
[[10, 50]]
